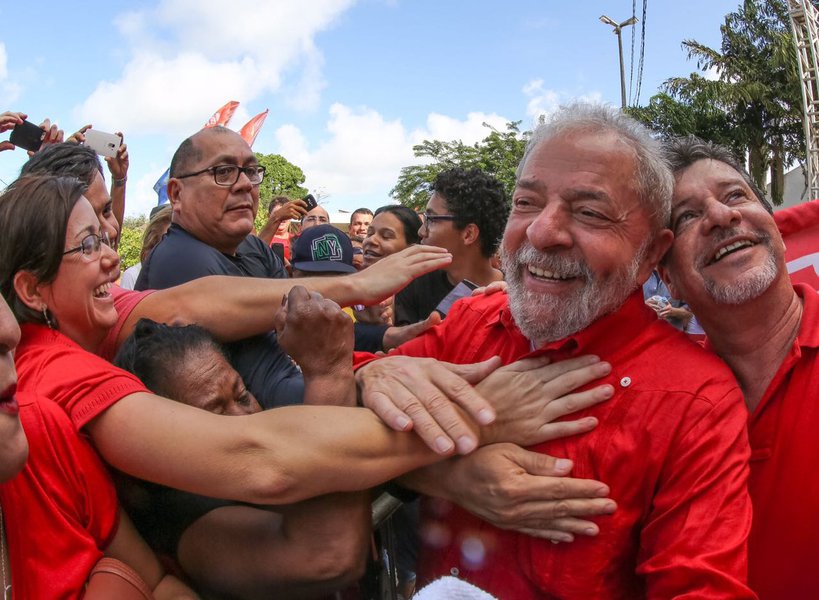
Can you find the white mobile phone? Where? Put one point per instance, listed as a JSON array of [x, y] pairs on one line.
[[103, 143]]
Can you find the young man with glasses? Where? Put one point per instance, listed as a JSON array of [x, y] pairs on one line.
[[466, 215]]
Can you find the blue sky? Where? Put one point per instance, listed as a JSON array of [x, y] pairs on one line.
[[351, 85]]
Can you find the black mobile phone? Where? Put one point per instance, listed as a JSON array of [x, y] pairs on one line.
[[27, 136], [310, 201], [461, 290]]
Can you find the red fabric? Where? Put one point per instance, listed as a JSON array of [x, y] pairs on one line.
[[83, 384], [671, 444], [784, 462], [253, 127], [799, 226], [223, 115], [60, 511], [284, 241], [124, 302]]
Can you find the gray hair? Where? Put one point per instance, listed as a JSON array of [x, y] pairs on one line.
[[655, 182]]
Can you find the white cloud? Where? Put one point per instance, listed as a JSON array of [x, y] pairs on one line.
[[9, 90], [711, 74], [543, 102], [189, 56], [364, 152]]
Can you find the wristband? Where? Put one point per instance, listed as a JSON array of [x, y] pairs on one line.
[[120, 182]]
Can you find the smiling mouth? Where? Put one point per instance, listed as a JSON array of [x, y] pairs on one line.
[[730, 249], [102, 291], [547, 275]]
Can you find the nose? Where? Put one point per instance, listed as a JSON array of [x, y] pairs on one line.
[[109, 257], [243, 182], [9, 338], [422, 230], [718, 214], [550, 228]]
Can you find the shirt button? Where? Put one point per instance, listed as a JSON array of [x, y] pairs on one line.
[[454, 571], [625, 382]]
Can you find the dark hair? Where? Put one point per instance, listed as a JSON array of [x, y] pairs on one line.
[[189, 151], [154, 351], [30, 242], [475, 197], [277, 201], [360, 211], [66, 159], [682, 152], [157, 225], [409, 220]]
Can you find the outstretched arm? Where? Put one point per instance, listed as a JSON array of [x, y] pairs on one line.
[[233, 308]]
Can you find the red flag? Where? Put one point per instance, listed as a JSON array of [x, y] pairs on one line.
[[223, 115], [799, 226], [252, 128]]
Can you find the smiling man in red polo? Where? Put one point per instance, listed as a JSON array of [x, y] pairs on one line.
[[728, 262], [588, 225]]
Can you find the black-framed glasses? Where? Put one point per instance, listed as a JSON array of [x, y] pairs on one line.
[[228, 175], [432, 218], [90, 245]]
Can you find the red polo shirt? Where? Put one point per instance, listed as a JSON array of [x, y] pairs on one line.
[[784, 434], [671, 444]]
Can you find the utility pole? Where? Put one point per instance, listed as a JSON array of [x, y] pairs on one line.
[[618, 27]]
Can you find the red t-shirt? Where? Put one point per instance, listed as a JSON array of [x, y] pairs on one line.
[[61, 511], [671, 444], [784, 433], [51, 365], [124, 302], [284, 241]]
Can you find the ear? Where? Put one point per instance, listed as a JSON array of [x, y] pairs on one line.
[[666, 277], [656, 250], [174, 190], [27, 287], [470, 234]]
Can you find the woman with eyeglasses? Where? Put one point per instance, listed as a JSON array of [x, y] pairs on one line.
[[62, 534], [56, 273]]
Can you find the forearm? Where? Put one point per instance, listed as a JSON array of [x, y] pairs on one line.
[[232, 308], [118, 202], [274, 457], [269, 230]]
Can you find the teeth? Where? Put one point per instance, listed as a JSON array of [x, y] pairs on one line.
[[730, 248], [546, 274], [102, 290]]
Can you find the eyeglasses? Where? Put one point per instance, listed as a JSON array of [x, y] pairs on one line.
[[90, 245], [315, 219], [228, 175], [428, 218]]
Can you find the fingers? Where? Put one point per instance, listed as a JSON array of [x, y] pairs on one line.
[[78, 136], [492, 288], [562, 530], [395, 336], [6, 146], [475, 372], [280, 318], [9, 120]]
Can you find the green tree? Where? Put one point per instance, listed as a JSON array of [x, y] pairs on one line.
[[130, 240], [282, 178], [754, 106], [498, 154]]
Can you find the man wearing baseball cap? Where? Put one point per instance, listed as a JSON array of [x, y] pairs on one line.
[[322, 250]]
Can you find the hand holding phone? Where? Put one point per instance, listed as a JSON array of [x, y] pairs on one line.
[[105, 144], [27, 136], [310, 201]]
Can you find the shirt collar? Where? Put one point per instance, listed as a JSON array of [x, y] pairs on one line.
[[809, 327], [603, 337]]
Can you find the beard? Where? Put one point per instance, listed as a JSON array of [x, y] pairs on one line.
[[748, 285], [545, 317]]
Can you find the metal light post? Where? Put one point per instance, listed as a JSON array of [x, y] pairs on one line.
[[618, 27]]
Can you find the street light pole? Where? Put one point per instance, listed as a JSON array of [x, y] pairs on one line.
[[618, 27]]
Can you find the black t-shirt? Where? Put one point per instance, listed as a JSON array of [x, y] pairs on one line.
[[266, 369], [417, 301]]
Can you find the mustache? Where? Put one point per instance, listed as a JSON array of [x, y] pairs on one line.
[[722, 235], [561, 264]]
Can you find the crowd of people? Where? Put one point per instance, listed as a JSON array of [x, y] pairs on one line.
[[602, 387]]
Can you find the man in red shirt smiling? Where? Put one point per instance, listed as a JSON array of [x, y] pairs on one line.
[[588, 225], [728, 262]]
